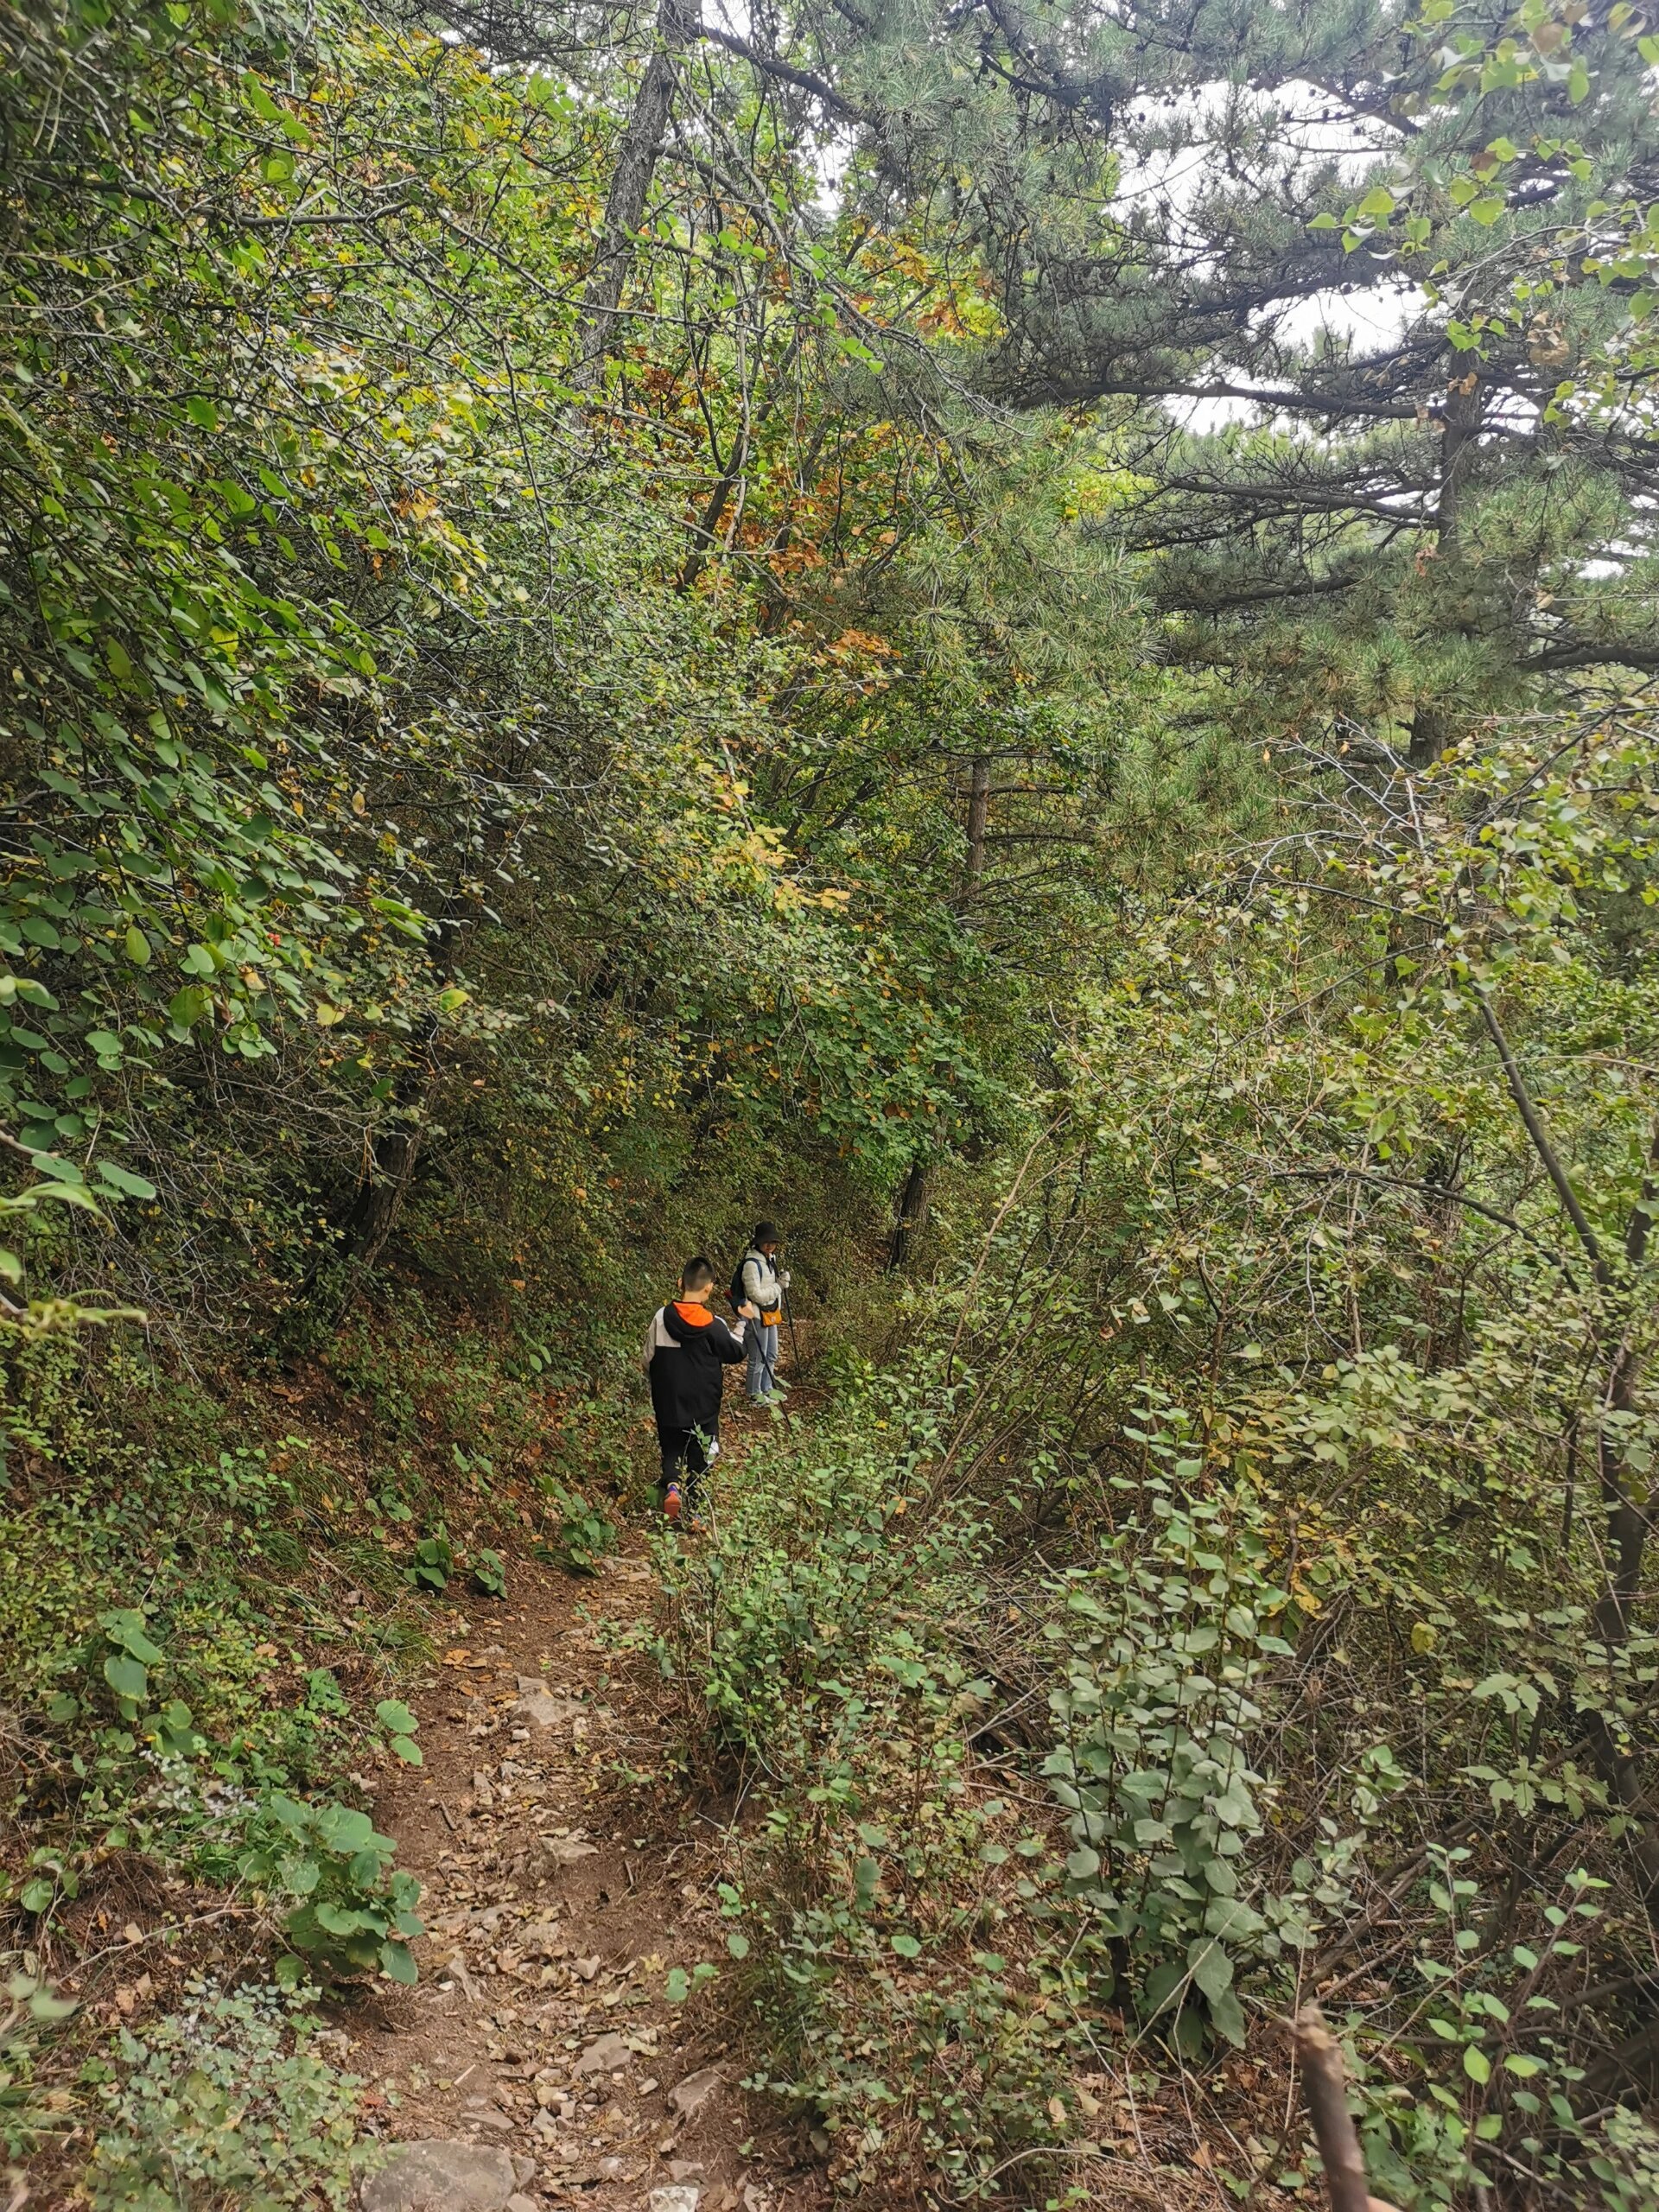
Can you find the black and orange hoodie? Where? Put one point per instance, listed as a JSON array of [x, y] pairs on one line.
[[685, 1352]]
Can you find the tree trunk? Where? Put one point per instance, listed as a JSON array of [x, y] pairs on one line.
[[1432, 726], [979, 808], [393, 1158], [911, 1216], [333, 1282], [625, 203]]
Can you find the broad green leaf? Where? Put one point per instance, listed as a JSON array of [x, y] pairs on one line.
[[123, 1180], [126, 1677], [397, 1964]]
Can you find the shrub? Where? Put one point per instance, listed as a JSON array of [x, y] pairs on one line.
[[578, 1534], [227, 2102], [351, 1913]]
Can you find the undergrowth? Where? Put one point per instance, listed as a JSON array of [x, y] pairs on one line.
[[227, 2101], [213, 1595], [1019, 1841]]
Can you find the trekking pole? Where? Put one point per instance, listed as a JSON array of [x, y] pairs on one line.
[[794, 1343], [1324, 2091]]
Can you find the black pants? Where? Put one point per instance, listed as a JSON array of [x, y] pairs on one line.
[[685, 1460]]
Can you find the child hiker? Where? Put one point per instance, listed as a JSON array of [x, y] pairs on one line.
[[685, 1352], [763, 1283]]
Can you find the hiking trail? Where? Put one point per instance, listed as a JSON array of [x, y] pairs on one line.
[[563, 1877]]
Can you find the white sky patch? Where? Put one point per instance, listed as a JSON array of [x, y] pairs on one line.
[[1296, 119]]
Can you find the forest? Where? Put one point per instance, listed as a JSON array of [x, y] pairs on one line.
[[1018, 634]]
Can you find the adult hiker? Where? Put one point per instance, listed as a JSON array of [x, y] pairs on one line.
[[687, 1348], [762, 1283]]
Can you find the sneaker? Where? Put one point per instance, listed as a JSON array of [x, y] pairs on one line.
[[672, 1502]]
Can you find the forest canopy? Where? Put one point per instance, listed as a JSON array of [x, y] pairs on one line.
[[1021, 633]]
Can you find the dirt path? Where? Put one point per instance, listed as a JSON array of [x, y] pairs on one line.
[[563, 1877]]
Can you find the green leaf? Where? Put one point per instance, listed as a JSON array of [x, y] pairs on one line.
[[61, 1172], [397, 1964], [37, 1895], [1487, 209], [123, 1180], [907, 1947], [126, 1677], [738, 1945], [175, 1730], [340, 1920], [1228, 2015], [1212, 1970], [259, 99], [1476, 2064], [394, 1715], [406, 1749], [137, 946], [124, 1625]]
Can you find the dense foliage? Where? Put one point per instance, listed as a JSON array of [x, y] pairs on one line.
[[1015, 634]]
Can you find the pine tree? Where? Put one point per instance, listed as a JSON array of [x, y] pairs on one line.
[[1397, 251]]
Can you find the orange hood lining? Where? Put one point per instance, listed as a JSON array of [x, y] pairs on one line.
[[694, 1316]]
